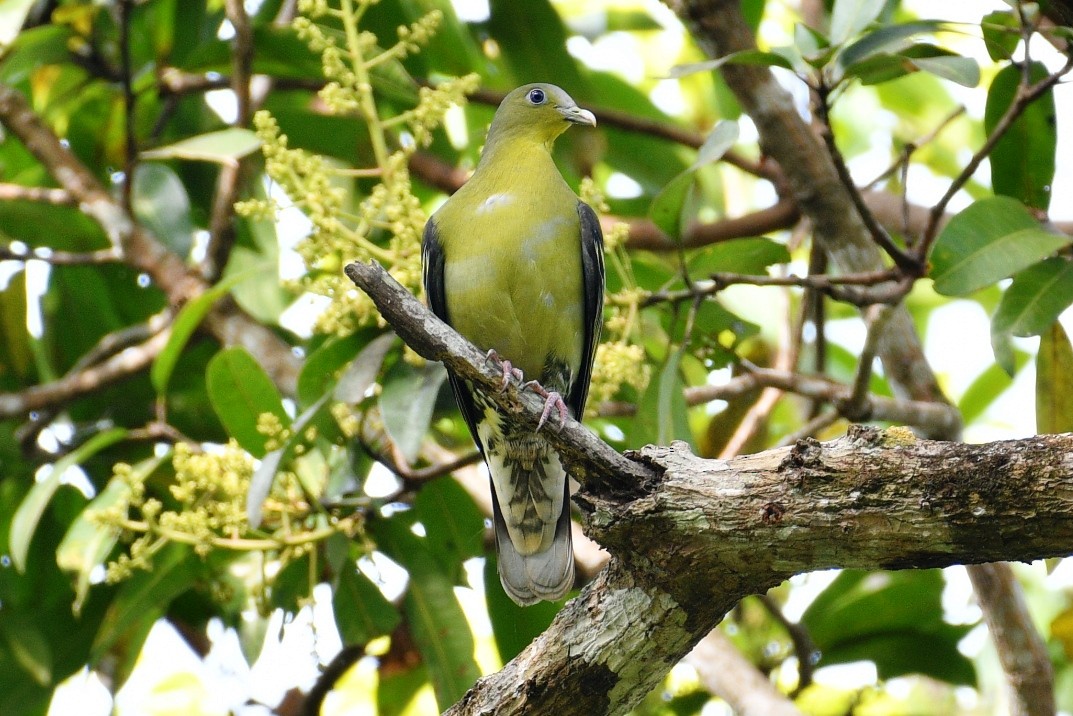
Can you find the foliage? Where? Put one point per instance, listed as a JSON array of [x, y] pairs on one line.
[[162, 458]]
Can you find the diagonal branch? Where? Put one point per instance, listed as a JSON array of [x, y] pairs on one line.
[[690, 537]]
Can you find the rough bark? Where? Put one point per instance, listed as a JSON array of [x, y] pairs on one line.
[[690, 537]]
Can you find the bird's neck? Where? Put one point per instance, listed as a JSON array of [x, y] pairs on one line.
[[520, 158]]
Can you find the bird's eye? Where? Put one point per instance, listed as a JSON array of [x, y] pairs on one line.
[[537, 96]]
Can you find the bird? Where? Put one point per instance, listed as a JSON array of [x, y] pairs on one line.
[[513, 261]]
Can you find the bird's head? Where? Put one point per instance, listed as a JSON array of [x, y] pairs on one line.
[[539, 111]]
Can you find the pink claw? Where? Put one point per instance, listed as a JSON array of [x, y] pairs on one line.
[[552, 400], [509, 371]]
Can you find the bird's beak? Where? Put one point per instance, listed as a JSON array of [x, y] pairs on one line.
[[577, 115]]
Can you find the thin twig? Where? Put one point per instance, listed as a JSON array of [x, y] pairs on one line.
[[1026, 95], [13, 252], [907, 263], [45, 195], [833, 286], [804, 647]]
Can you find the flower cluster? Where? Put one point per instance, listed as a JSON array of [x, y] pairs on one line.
[[386, 224]]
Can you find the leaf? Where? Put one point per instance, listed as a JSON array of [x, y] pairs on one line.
[[183, 327], [321, 367], [87, 542], [894, 619], [990, 240], [1031, 304], [747, 256], [454, 526], [741, 57], [265, 473], [29, 647], [161, 203], [360, 375], [1054, 382], [1002, 34], [666, 209], [225, 146], [436, 620], [17, 354], [240, 392], [142, 599], [961, 70], [1023, 160], [406, 402], [24, 523], [849, 17], [362, 612], [662, 415], [885, 39], [987, 386]]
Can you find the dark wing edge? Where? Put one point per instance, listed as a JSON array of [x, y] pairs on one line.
[[592, 269], [433, 276]]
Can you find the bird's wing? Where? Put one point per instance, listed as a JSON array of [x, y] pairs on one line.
[[592, 269], [433, 259]]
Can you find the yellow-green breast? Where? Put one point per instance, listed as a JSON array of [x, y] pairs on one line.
[[511, 239]]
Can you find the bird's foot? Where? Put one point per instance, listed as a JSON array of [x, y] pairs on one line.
[[509, 371], [552, 401]]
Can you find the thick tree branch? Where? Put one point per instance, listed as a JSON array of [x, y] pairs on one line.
[[711, 532], [690, 537]]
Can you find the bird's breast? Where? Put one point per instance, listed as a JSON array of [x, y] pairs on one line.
[[514, 280]]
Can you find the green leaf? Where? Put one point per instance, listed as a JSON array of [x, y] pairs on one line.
[[990, 240], [894, 619], [322, 366], [849, 17], [987, 386], [362, 612], [1002, 33], [666, 208], [225, 146], [454, 526], [1054, 382], [161, 203], [961, 70], [240, 392], [1023, 160], [142, 599], [261, 480], [531, 35], [24, 523], [662, 415], [87, 542], [28, 646], [1033, 302], [746, 256], [183, 327], [17, 354], [436, 620], [514, 627], [741, 57], [885, 39], [406, 402], [360, 375]]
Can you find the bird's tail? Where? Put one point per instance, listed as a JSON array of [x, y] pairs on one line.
[[531, 514]]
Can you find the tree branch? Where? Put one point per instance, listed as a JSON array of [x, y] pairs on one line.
[[726, 673], [690, 537]]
